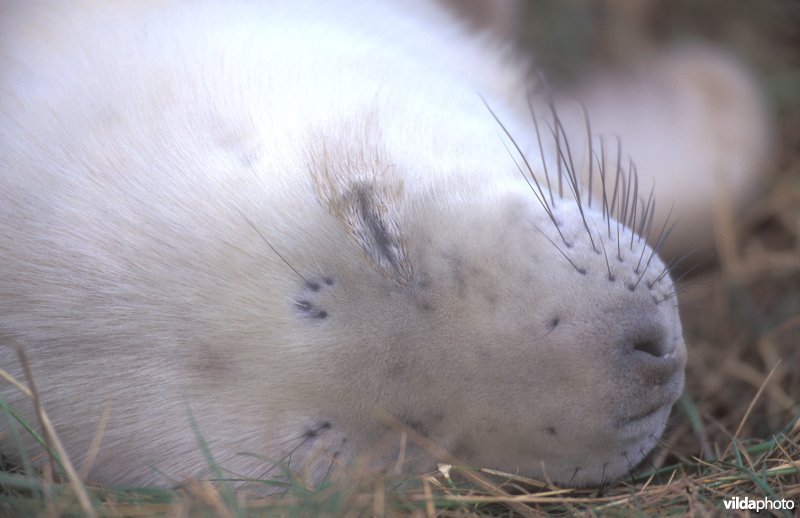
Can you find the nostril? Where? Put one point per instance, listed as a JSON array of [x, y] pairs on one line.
[[656, 348]]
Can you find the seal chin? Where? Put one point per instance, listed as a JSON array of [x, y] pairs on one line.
[[642, 418], [638, 436], [637, 433], [653, 401], [614, 446]]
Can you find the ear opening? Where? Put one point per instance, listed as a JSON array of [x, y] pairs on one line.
[[354, 182], [374, 226]]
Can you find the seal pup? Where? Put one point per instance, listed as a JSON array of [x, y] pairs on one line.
[[289, 218]]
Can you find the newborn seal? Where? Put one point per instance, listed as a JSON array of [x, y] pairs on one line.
[[302, 221]]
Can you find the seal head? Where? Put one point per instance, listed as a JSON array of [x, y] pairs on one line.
[[516, 329]]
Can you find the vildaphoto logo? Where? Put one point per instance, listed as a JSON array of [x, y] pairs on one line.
[[757, 504]]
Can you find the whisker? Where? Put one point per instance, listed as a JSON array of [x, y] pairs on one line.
[[573, 178], [582, 271], [541, 201], [516, 146], [541, 148], [571, 170], [630, 466], [685, 274], [625, 200], [608, 265], [616, 178], [647, 208], [632, 223], [606, 207], [559, 158], [671, 265], [574, 474], [282, 258], [589, 150], [619, 249], [662, 238], [675, 293], [540, 197], [647, 460], [649, 228]]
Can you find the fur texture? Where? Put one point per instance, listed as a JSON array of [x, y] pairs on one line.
[[298, 218]]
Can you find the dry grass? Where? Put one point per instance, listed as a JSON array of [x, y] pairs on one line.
[[736, 430], [750, 468]]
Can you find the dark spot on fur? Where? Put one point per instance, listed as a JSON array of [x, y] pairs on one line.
[[582, 271], [309, 310], [417, 426], [397, 368], [486, 353], [436, 418], [551, 431], [553, 323], [457, 274], [425, 281], [307, 305], [424, 306], [460, 281], [463, 450], [313, 432], [213, 364], [477, 273]]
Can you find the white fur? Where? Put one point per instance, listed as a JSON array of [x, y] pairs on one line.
[[154, 153]]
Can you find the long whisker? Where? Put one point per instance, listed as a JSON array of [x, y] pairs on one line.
[[541, 148], [573, 179], [263, 238], [541, 201], [662, 238], [578, 269], [540, 196], [516, 146]]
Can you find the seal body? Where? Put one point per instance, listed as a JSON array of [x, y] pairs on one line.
[[299, 223]]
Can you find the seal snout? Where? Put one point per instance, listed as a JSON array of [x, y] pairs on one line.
[[655, 345], [654, 349], [657, 360]]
